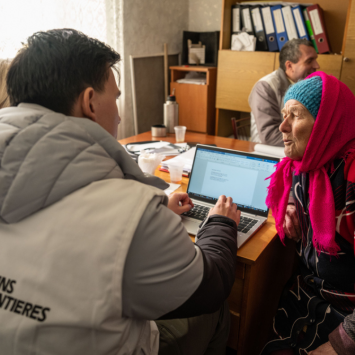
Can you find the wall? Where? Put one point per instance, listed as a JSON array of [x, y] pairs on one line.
[[205, 15], [147, 25]]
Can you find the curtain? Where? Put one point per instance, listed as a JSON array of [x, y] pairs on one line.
[[101, 19]]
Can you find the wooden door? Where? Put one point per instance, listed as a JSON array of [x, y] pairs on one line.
[[192, 100], [348, 69]]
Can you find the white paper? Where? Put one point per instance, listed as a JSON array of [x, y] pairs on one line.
[[236, 20], [187, 157], [269, 26], [280, 28], [299, 22], [245, 39], [257, 20], [316, 24], [247, 20], [172, 187], [192, 81], [237, 45], [289, 22]]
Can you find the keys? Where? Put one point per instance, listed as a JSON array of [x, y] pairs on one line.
[[246, 224], [198, 212]]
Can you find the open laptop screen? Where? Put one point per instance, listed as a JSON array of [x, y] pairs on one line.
[[218, 171]]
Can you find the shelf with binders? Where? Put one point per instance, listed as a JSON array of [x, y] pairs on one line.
[[238, 71], [290, 21]]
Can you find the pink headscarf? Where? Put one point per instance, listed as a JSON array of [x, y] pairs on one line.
[[333, 135]]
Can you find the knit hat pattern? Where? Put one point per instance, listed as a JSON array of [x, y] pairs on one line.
[[308, 92]]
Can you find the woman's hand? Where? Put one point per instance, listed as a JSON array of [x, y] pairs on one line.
[[325, 349], [226, 207], [291, 224], [180, 202]]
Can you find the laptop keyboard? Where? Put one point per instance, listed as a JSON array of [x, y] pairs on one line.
[[201, 212], [198, 212], [246, 224]]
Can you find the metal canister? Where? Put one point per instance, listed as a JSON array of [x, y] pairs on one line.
[[158, 130], [171, 113]]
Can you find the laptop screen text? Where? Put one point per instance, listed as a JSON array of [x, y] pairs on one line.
[[242, 177]]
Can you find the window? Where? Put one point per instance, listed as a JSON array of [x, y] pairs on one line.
[[21, 18]]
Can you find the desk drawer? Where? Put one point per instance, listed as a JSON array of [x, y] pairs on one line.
[[240, 270], [234, 330], [235, 297]]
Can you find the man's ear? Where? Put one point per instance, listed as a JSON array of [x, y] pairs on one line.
[[288, 66], [87, 103]]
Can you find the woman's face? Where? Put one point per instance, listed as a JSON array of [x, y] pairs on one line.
[[296, 129]]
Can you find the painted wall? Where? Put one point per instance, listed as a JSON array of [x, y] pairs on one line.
[[205, 15], [147, 25]]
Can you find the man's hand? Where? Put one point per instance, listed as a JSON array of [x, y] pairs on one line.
[[226, 207], [180, 202], [325, 349], [291, 224]]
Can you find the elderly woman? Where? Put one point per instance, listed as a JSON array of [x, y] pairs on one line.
[[316, 315]]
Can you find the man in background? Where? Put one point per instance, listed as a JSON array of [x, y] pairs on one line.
[[298, 59], [92, 250]]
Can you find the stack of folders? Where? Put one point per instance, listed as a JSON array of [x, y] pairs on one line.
[[273, 24], [187, 157]]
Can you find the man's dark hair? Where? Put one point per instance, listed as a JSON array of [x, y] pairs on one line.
[[54, 67], [291, 51]]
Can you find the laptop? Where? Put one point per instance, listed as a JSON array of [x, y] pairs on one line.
[[218, 171]]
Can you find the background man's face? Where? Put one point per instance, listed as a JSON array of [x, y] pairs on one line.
[[106, 110], [306, 65]]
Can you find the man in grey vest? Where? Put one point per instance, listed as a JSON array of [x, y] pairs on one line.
[[94, 258], [298, 59]]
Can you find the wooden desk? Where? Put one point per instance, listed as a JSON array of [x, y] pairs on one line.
[[264, 265]]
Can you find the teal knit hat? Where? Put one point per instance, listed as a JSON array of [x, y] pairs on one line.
[[308, 92]]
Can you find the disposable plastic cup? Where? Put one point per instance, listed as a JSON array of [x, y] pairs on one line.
[[149, 162], [180, 133], [175, 169]]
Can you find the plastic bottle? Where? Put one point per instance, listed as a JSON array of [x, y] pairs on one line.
[[171, 113]]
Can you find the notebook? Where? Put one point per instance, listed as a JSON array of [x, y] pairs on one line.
[[218, 171]]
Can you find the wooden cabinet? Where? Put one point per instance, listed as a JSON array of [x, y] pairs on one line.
[[348, 69], [239, 71], [196, 102]]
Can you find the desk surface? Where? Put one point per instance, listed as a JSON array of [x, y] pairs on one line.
[[253, 248]]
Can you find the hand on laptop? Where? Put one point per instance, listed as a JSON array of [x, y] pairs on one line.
[[180, 202], [226, 207]]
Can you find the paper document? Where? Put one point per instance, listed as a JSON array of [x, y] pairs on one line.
[[243, 42], [172, 187], [193, 78], [269, 150], [163, 148], [187, 157]]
